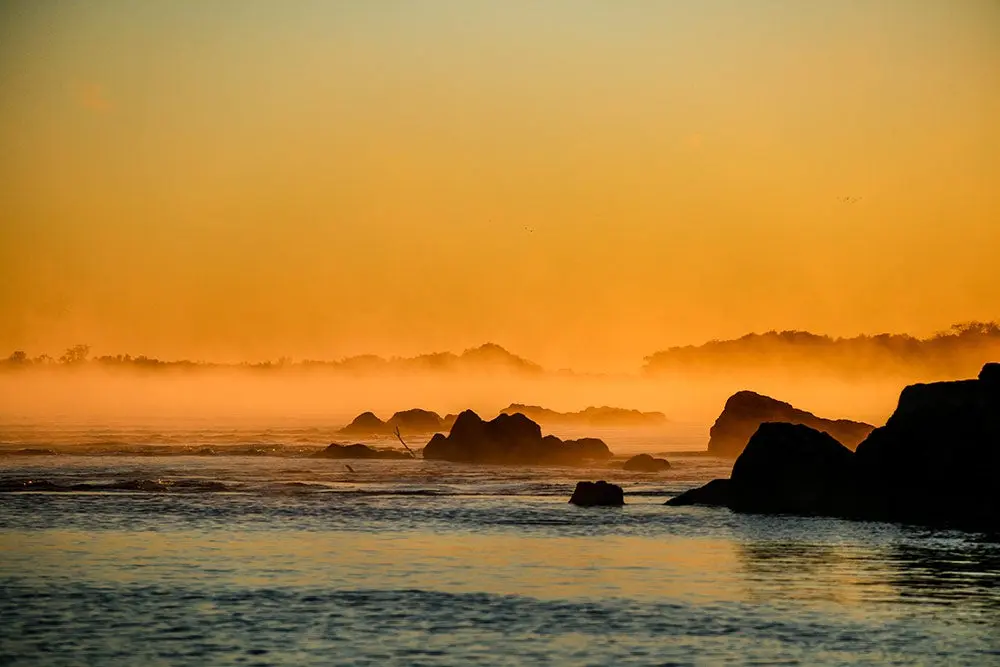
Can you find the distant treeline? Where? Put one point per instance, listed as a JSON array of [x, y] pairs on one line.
[[483, 358], [958, 352]]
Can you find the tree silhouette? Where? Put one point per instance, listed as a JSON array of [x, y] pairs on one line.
[[75, 355]]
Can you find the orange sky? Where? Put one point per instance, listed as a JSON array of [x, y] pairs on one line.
[[582, 182]]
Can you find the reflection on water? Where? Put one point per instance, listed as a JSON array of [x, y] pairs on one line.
[[300, 562]]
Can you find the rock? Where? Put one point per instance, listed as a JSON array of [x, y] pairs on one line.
[[365, 424], [933, 463], [646, 463], [416, 421], [593, 449], [791, 468], [597, 494], [990, 373], [713, 494], [746, 410], [509, 439], [358, 451], [592, 416], [936, 458], [411, 421]]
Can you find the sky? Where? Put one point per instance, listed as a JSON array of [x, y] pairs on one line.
[[584, 182]]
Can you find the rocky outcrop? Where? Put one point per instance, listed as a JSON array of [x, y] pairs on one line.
[[646, 463], [358, 451], [713, 494], [592, 416], [791, 468], [407, 421], [365, 424], [934, 462], [990, 373], [937, 455], [746, 410], [512, 439], [597, 494]]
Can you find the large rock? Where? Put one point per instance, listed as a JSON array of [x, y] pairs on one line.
[[646, 463], [791, 468], [365, 424], [937, 456], [416, 421], [407, 421], [746, 410], [934, 462], [509, 439], [358, 451], [990, 373], [593, 494], [713, 494]]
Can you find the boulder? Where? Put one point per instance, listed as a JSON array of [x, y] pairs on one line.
[[933, 463], [713, 494], [358, 451], [936, 458], [791, 468], [646, 463], [990, 373], [592, 449], [511, 439], [594, 494], [407, 421], [365, 424], [746, 410]]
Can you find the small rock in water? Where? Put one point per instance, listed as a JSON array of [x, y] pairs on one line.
[[593, 494]]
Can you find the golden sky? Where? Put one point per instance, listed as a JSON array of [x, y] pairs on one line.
[[581, 181]]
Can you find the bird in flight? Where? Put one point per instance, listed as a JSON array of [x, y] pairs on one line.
[[849, 200]]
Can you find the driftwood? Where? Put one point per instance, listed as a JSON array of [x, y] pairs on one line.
[[412, 454]]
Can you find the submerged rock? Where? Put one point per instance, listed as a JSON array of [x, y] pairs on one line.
[[509, 439], [746, 410], [358, 451], [934, 462], [594, 494], [646, 463]]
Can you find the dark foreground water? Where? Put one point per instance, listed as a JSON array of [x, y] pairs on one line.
[[236, 559]]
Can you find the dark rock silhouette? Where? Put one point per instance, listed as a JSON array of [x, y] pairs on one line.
[[509, 439], [407, 421], [713, 494], [597, 494], [592, 416], [934, 462], [791, 468], [990, 373], [937, 456], [593, 449], [364, 424], [646, 463], [416, 421], [358, 451], [746, 410]]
